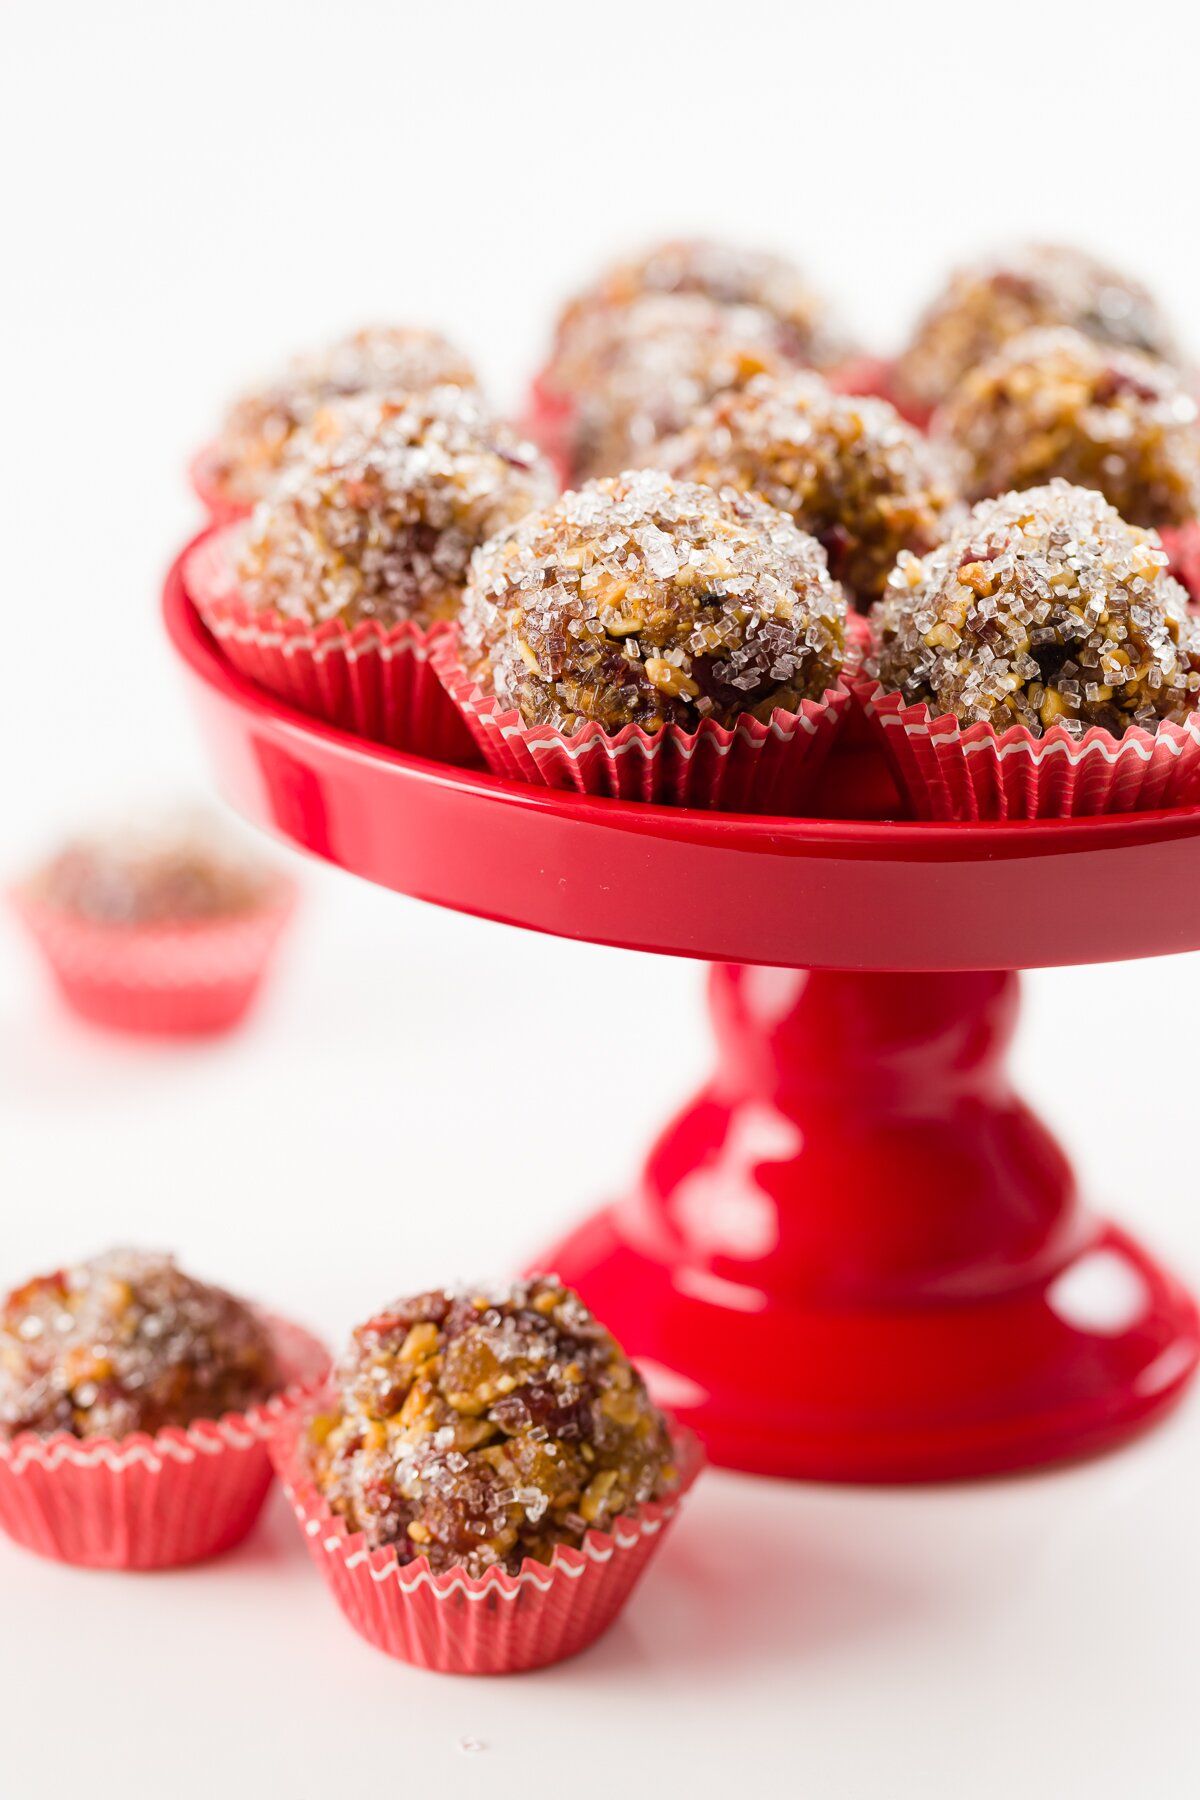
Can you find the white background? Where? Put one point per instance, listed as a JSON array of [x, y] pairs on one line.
[[187, 194]]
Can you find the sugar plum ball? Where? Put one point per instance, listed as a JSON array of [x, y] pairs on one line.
[[640, 599], [730, 274], [482, 1428], [850, 471], [983, 306], [258, 429], [382, 503], [1055, 403], [636, 374], [127, 1342], [1044, 608], [176, 871]]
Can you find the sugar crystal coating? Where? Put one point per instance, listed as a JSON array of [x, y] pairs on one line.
[[481, 1428], [850, 471], [259, 427], [382, 503], [126, 1342], [730, 274], [635, 375], [1044, 608], [1055, 403], [983, 306], [178, 871], [640, 599]]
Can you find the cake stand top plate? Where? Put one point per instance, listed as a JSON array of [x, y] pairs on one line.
[[798, 893]]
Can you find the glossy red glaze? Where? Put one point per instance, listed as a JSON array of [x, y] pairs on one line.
[[857, 1254], [833, 892]]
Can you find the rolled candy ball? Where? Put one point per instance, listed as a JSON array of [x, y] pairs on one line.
[[643, 600], [986, 304], [257, 431], [482, 1428], [1044, 608], [1057, 404], [866, 484], [382, 503]]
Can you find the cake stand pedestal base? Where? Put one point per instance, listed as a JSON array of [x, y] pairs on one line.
[[858, 1256]]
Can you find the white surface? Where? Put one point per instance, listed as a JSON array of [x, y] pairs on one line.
[[186, 196]]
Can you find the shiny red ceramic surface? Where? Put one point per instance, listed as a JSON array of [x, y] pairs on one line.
[[856, 1254], [831, 892]]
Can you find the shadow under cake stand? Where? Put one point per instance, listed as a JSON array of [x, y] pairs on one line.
[[857, 1254]]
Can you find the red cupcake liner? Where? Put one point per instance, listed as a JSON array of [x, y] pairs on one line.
[[861, 375], [167, 980], [204, 473], [153, 1502], [494, 1624], [374, 681], [872, 377], [547, 421], [1182, 545], [948, 772], [750, 767]]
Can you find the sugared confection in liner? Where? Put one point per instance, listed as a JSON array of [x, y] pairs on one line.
[[126, 1342], [175, 870], [381, 505], [257, 432], [636, 374], [730, 274], [1043, 609], [480, 1428], [1055, 403], [986, 304], [853, 473], [640, 599]]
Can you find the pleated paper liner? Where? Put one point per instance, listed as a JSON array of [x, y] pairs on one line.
[[749, 768], [946, 771], [547, 421], [168, 980], [153, 1502], [369, 679], [1182, 545], [212, 491], [495, 1624]]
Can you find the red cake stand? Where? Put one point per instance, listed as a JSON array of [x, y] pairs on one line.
[[857, 1254]]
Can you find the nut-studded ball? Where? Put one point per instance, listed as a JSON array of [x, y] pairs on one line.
[[259, 427], [1055, 403], [482, 1428], [643, 600], [1044, 608], [127, 1342], [983, 306], [850, 471], [730, 274], [637, 374], [381, 505]]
